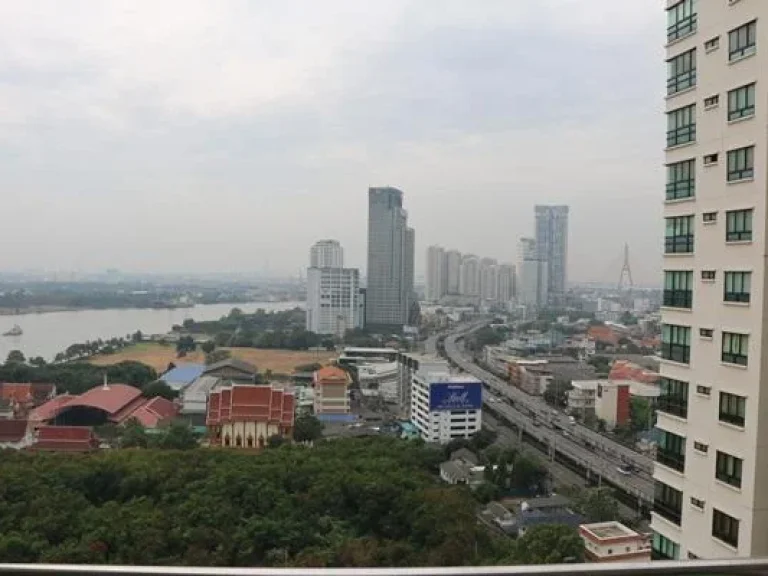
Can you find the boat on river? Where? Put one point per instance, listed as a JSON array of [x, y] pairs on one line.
[[15, 331]]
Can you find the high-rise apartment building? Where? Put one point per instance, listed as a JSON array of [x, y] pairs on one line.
[[532, 291], [453, 272], [552, 246], [507, 289], [469, 282], [326, 254], [390, 261], [489, 271], [333, 292], [711, 470], [436, 273]]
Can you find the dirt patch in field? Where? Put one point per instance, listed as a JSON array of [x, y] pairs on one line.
[[159, 356]]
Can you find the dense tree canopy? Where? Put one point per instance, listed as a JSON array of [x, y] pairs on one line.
[[351, 502]]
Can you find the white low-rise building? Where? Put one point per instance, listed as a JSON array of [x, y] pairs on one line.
[[614, 542], [379, 379], [445, 407]]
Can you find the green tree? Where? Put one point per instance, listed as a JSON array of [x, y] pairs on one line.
[[275, 441], [307, 429], [37, 362], [134, 435], [137, 336], [217, 356], [178, 436], [549, 544], [15, 357], [185, 344], [208, 346], [159, 388], [598, 505], [640, 413]]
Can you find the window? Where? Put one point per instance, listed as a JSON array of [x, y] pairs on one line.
[[732, 408], [708, 275], [742, 40], [725, 528], [741, 102], [678, 234], [741, 164], [709, 217], [681, 181], [674, 397], [700, 447], [728, 469], [738, 226], [667, 502], [711, 102], [735, 348], [706, 332], [681, 125], [710, 159], [671, 451], [697, 503], [712, 44], [663, 548], [681, 20], [737, 286], [676, 343], [704, 390], [681, 72], [678, 289]]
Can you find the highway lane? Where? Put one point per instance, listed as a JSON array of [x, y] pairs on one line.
[[603, 458]]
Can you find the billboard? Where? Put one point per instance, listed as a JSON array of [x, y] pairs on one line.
[[446, 396]]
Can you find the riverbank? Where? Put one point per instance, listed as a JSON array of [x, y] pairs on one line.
[[36, 310], [159, 356]]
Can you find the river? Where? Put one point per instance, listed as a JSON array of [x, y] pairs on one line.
[[49, 333]]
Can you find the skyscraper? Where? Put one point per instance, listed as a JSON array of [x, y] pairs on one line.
[[332, 291], [453, 272], [533, 274], [326, 254], [711, 470], [469, 284], [489, 270], [506, 290], [552, 246], [436, 273], [390, 261]]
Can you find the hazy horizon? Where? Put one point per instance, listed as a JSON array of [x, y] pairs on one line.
[[229, 137]]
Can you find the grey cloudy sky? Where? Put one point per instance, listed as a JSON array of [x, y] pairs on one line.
[[224, 135]]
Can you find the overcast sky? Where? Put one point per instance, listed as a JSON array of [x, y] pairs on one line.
[[230, 135]]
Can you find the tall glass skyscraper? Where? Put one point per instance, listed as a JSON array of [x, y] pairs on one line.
[[390, 261], [552, 247]]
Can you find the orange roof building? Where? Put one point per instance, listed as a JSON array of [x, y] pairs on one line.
[[331, 385], [626, 370], [246, 416]]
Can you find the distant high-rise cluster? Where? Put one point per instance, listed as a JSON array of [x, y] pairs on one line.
[[333, 291], [389, 298], [552, 248], [449, 273]]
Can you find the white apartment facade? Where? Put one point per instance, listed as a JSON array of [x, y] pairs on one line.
[[445, 407], [326, 254], [711, 474], [332, 300]]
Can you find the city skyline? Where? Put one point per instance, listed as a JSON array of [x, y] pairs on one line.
[[259, 126]]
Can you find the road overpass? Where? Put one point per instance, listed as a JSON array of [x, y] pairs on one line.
[[596, 453]]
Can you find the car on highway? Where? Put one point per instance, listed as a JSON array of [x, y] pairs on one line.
[[626, 469]]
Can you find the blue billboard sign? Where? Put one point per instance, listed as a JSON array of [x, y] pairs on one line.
[[455, 396]]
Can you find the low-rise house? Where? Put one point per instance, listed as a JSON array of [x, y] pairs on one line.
[[614, 542], [182, 375], [462, 468], [537, 511], [233, 370]]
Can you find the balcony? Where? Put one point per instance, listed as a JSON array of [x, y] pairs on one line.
[[671, 459], [671, 513], [673, 405], [678, 244], [730, 566], [678, 298], [676, 352]]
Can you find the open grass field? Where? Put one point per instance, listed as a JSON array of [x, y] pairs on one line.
[[159, 356]]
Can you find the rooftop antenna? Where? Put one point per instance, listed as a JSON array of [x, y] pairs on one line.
[[106, 385]]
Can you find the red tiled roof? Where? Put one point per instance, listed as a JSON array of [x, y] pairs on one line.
[[154, 411], [26, 392], [13, 430], [111, 399], [603, 334], [331, 375], [626, 370], [65, 438], [247, 403], [50, 409]]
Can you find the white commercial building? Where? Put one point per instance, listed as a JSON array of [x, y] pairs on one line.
[[436, 273], [453, 272], [332, 300], [614, 542], [379, 379], [711, 471], [445, 407], [409, 363], [507, 283], [326, 254], [469, 284]]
